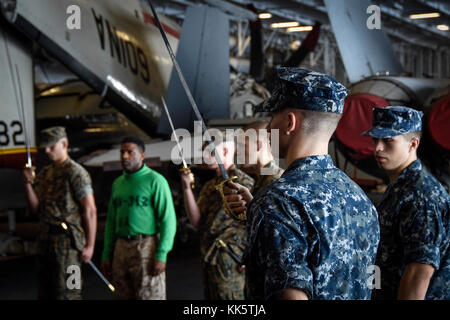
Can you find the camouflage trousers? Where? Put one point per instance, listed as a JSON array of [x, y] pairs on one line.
[[221, 278], [56, 254], [131, 270]]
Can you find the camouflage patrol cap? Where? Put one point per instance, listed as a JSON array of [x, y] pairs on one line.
[[304, 89], [52, 135], [392, 121]]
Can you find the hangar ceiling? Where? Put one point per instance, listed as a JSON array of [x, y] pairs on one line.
[[394, 14], [423, 50]]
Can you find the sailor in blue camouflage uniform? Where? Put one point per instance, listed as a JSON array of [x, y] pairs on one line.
[[313, 233], [413, 254]]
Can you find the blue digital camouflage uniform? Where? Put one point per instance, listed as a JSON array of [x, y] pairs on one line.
[[414, 221], [304, 89], [391, 121], [313, 229], [414, 214]]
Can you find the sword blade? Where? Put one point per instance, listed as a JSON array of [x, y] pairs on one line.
[[27, 141], [110, 286], [187, 90], [68, 229], [173, 131], [18, 103]]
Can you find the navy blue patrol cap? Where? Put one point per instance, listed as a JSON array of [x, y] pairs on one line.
[[304, 89], [392, 121]]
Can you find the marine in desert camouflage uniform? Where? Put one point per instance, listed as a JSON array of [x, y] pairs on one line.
[[61, 192], [266, 179], [256, 159], [222, 279]]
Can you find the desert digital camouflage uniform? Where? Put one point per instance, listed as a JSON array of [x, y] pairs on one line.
[[313, 229], [414, 214], [140, 209], [131, 263], [59, 189], [262, 181], [222, 280]]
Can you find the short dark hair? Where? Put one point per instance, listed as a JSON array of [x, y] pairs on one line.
[[413, 134], [319, 122], [137, 141]]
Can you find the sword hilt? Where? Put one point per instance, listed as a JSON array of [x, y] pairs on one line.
[[228, 250], [28, 165], [66, 227], [187, 170], [242, 216]]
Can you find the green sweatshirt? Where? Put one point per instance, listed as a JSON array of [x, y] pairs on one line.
[[141, 203]]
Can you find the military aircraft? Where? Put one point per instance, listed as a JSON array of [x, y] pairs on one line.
[[116, 52], [17, 138]]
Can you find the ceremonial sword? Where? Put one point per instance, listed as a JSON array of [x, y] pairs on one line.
[[110, 286], [19, 102], [241, 216], [230, 251], [185, 167], [27, 141]]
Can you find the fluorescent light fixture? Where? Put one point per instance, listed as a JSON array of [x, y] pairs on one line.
[[442, 27], [51, 91], [300, 29], [284, 24], [295, 45], [265, 15], [425, 15]]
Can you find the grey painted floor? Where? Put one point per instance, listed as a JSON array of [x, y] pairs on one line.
[[184, 280], [18, 277]]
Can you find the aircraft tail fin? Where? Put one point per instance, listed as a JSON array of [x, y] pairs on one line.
[[365, 52], [203, 56]]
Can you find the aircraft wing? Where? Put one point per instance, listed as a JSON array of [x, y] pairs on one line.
[[17, 103], [164, 151], [118, 50]]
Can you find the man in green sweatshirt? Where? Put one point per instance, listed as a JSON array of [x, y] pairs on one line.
[[140, 207]]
